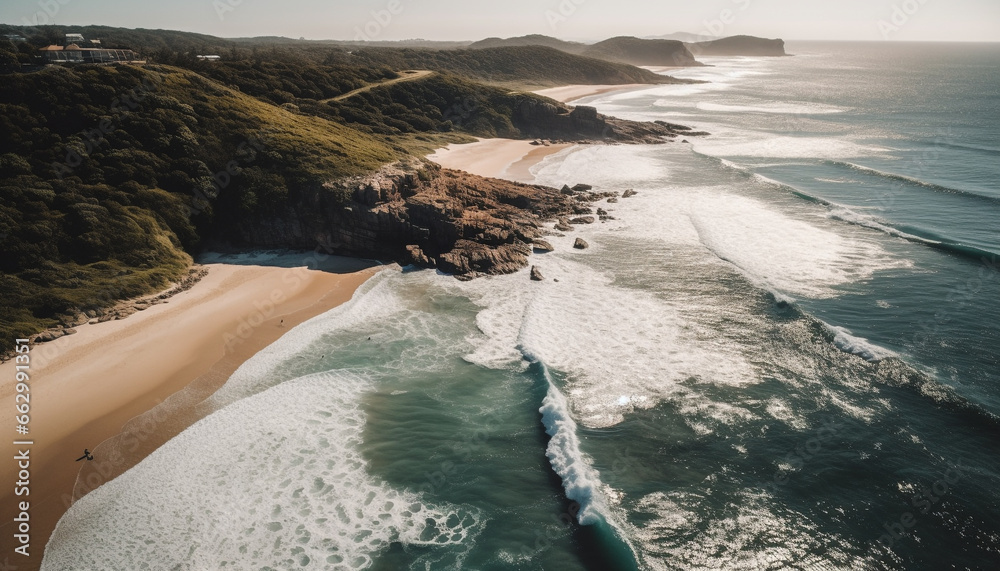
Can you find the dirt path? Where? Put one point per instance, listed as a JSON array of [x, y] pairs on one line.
[[408, 75]]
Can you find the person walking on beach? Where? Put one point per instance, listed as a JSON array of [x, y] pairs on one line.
[[87, 455]]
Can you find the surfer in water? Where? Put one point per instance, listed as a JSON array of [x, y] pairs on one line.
[[87, 455]]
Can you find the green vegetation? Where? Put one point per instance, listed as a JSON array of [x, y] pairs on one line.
[[622, 49], [110, 176], [739, 46], [531, 40], [436, 104], [528, 65], [635, 51], [283, 76]]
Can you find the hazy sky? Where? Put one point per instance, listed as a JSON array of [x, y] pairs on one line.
[[962, 20]]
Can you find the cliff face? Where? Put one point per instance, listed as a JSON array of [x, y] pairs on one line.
[[416, 213], [739, 46], [636, 51]]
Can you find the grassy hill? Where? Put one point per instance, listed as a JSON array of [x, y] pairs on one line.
[[441, 103], [284, 80], [143, 41], [109, 176], [623, 49], [678, 49], [530, 40], [527, 65], [635, 51]]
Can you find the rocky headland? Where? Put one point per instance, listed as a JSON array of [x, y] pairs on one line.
[[416, 212]]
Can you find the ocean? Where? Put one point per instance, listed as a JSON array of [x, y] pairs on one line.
[[780, 354]]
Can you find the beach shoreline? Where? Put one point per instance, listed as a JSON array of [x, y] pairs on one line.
[[569, 93], [183, 349], [100, 388], [512, 159], [508, 159]]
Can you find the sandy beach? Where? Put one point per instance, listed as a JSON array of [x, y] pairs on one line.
[[132, 384], [568, 93], [498, 158], [512, 159]]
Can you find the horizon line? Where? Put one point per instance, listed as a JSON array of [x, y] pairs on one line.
[[702, 37]]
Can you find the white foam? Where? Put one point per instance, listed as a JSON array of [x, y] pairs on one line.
[[873, 222], [581, 480], [604, 167], [274, 480], [665, 94], [849, 343], [780, 409], [375, 301], [783, 108], [623, 349], [730, 164], [758, 144], [780, 252]]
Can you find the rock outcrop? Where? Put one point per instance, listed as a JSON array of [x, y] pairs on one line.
[[415, 213], [542, 247], [581, 244]]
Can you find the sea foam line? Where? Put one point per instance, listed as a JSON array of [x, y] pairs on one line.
[[246, 488], [847, 342], [914, 181], [581, 481]]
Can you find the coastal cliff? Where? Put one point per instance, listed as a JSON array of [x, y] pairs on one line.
[[636, 51], [739, 46], [113, 177], [415, 212]]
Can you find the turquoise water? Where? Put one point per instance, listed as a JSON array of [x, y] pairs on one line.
[[781, 354]]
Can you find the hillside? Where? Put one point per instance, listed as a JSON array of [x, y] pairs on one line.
[[89, 216], [285, 80], [112, 177], [282, 41], [143, 41], [528, 65], [530, 40], [443, 103], [679, 49], [622, 49], [739, 46], [635, 51]]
